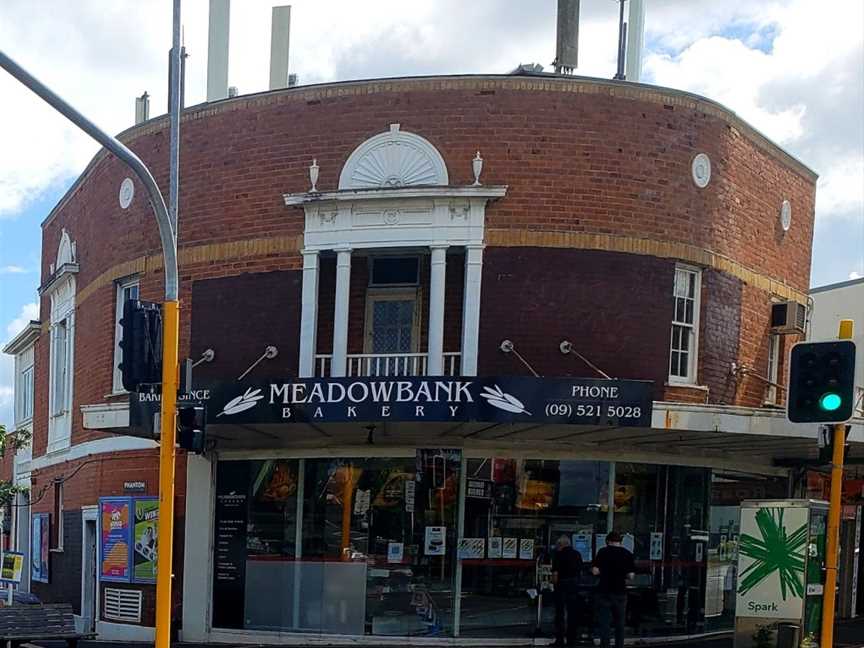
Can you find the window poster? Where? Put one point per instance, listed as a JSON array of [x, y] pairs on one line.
[[11, 567], [526, 549], [146, 530], [436, 541], [510, 548], [495, 543], [114, 536], [39, 546]]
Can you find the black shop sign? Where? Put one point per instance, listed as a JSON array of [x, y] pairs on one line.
[[502, 399]]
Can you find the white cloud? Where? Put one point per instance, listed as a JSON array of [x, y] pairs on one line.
[[28, 312], [855, 275], [12, 269], [804, 89]]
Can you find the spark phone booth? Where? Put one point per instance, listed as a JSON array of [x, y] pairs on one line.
[[780, 577]]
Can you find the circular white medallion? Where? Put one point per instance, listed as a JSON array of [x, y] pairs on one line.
[[701, 170], [127, 192], [391, 216], [785, 215]]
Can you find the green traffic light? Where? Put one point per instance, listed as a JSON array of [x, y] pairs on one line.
[[830, 402]]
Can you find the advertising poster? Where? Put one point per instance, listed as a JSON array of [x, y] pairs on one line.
[[436, 541], [510, 548], [115, 531], [495, 547], [395, 552], [146, 531], [526, 549], [472, 548], [11, 567], [581, 542], [39, 548], [771, 555]]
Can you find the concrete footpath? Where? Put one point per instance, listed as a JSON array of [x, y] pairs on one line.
[[849, 634]]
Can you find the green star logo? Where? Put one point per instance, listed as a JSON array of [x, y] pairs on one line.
[[774, 552]]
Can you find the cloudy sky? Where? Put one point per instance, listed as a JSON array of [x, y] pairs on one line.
[[793, 68]]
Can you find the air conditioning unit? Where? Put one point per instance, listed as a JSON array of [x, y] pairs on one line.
[[788, 317]]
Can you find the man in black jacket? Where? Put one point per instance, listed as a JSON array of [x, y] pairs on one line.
[[566, 575], [614, 565]]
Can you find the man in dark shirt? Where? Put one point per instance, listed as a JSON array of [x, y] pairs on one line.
[[614, 565], [566, 574]]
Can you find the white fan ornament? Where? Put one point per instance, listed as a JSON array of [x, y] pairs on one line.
[[242, 403], [503, 401]]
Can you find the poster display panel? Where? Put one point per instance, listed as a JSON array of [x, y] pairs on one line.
[[145, 536], [11, 567], [39, 545], [771, 560], [115, 530]]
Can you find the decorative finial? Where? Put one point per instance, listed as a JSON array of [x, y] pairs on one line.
[[477, 166], [313, 175]]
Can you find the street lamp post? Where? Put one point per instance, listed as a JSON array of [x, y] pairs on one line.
[[171, 307]]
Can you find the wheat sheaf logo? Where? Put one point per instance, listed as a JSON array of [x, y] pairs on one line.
[[243, 402], [496, 397]]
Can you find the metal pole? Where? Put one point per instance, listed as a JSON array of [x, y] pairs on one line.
[[170, 333], [833, 532], [619, 74], [170, 363], [157, 202]]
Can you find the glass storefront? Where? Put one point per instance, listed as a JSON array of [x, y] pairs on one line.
[[372, 545]]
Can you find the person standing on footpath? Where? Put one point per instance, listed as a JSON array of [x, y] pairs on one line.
[[567, 569], [614, 565]]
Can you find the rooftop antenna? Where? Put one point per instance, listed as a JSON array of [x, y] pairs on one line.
[[622, 40], [567, 37], [142, 108]]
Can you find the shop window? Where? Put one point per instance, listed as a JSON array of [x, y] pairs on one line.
[[369, 542], [519, 508], [685, 326], [126, 290], [727, 491]]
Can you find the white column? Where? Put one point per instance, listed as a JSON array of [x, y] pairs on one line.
[[435, 366], [635, 41], [308, 314], [217, 49], [340, 317], [198, 558], [280, 33], [471, 308]]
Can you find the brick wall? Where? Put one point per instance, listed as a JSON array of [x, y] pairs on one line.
[[619, 180], [616, 310]]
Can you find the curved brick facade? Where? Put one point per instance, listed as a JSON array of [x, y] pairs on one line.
[[600, 204], [599, 208]]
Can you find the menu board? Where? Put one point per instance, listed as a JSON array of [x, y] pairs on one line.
[[11, 567], [146, 532], [229, 566], [114, 533]]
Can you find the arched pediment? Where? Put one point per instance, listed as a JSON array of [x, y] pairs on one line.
[[65, 251], [393, 159]]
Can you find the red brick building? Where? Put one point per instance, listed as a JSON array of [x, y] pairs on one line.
[[445, 226]]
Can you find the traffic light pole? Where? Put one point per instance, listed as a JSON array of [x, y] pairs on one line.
[[833, 532], [168, 237]]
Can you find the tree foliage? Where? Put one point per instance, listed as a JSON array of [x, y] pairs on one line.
[[11, 442]]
